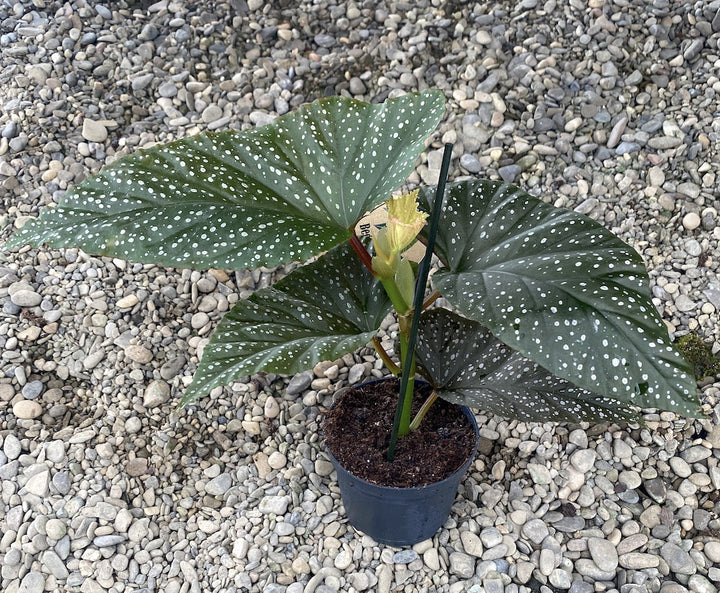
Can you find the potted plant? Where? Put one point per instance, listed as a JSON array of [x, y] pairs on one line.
[[547, 315]]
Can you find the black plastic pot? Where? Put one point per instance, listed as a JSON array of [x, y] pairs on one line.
[[400, 516]]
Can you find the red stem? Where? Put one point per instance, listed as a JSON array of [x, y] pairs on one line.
[[362, 253]]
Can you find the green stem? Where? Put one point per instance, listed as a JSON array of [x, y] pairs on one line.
[[395, 296], [385, 357], [423, 410], [406, 416]]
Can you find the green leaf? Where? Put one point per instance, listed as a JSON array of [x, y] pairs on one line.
[[467, 365], [562, 290], [285, 191], [319, 312]]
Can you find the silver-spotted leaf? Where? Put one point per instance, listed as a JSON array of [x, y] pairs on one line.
[[318, 312], [562, 290], [262, 197], [469, 366]]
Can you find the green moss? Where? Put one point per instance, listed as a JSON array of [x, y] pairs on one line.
[[699, 355]]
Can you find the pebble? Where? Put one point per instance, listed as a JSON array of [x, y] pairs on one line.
[[276, 505], [25, 298], [691, 221], [94, 131], [603, 554], [27, 409], [138, 353], [462, 565], [677, 559], [32, 582], [156, 393], [219, 485]]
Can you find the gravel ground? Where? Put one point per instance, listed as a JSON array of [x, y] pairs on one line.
[[606, 106]]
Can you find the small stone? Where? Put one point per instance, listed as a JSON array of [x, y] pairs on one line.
[[27, 298], [54, 565], [142, 82], [656, 488], [32, 389], [138, 353], [684, 303], [219, 485], [583, 460], [55, 528], [509, 173], [490, 537], [691, 221], [405, 556], [535, 530], [695, 453], [603, 553], [32, 582], [462, 565], [156, 393], [105, 541], [27, 409], [211, 113], [199, 320], [127, 301], [472, 544], [712, 551], [271, 408], [277, 460], [655, 176], [678, 559], [356, 373], [137, 467], [299, 383], [343, 560], [638, 560], [12, 447], [39, 484], [276, 505], [539, 473], [432, 559], [94, 131], [62, 483]]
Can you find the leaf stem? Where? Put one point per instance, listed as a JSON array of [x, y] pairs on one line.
[[431, 299], [361, 252], [423, 410], [385, 357]]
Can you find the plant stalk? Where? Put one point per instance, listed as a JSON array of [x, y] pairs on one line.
[[407, 354], [423, 410], [385, 357]]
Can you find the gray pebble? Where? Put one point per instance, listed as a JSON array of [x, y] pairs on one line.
[[299, 383], [677, 559], [32, 389], [156, 394], [32, 582], [219, 485], [25, 298], [104, 541], [405, 556]]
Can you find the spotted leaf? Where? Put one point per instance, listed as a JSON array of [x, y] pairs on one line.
[[469, 366], [281, 192], [562, 290], [319, 312]]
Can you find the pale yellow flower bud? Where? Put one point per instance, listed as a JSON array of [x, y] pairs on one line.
[[405, 221]]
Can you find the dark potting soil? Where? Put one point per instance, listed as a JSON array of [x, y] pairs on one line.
[[357, 431]]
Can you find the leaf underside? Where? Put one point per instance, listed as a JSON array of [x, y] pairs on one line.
[[467, 365], [318, 312], [562, 290], [281, 192]]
